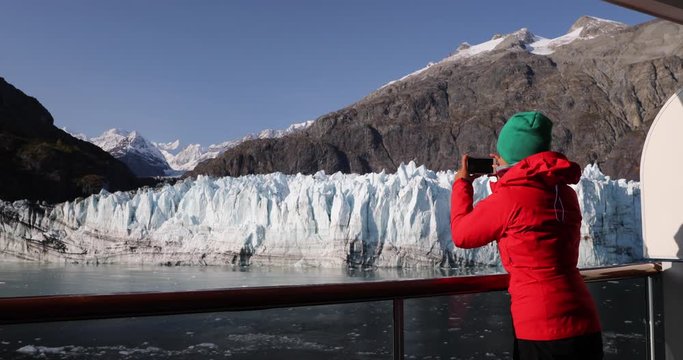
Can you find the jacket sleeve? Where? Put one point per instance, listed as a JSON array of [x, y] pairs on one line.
[[478, 226]]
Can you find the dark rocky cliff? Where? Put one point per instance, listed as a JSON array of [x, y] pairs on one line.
[[38, 161], [602, 92]]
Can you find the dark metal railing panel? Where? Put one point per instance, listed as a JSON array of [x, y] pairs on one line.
[[82, 307], [398, 329], [655, 318]]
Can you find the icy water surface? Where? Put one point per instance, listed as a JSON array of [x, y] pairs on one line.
[[473, 326]]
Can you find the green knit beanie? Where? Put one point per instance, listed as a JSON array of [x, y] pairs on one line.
[[524, 134]]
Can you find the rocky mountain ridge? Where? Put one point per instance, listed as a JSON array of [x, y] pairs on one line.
[[602, 83], [38, 161]]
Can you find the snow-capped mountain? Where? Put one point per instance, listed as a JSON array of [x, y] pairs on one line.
[[585, 28], [146, 158], [141, 156], [376, 219], [187, 158]]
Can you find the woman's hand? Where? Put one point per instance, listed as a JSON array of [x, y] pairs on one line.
[[497, 161], [463, 173]]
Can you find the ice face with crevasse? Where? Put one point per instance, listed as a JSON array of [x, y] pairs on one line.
[[320, 220]]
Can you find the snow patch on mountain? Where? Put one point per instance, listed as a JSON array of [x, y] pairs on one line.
[[188, 158], [147, 158], [591, 26], [119, 142], [585, 28], [170, 146], [141, 156], [377, 219], [409, 75], [543, 46]]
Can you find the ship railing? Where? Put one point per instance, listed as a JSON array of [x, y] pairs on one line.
[[35, 309]]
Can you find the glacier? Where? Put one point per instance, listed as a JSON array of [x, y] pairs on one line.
[[320, 220]]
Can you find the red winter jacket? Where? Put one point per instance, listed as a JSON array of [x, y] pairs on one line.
[[535, 218]]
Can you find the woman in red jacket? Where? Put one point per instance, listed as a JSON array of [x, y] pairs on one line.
[[534, 217]]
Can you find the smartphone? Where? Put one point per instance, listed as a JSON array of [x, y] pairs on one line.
[[480, 166]]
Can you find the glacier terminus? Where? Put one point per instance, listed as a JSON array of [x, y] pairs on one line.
[[320, 220]]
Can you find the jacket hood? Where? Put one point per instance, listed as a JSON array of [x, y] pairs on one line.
[[546, 169]]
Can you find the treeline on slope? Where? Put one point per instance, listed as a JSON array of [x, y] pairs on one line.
[[602, 93]]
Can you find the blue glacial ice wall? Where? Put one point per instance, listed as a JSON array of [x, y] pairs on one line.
[[388, 220]]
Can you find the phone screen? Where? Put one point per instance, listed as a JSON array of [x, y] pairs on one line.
[[480, 166]]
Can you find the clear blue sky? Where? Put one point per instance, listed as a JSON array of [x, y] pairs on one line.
[[212, 70]]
